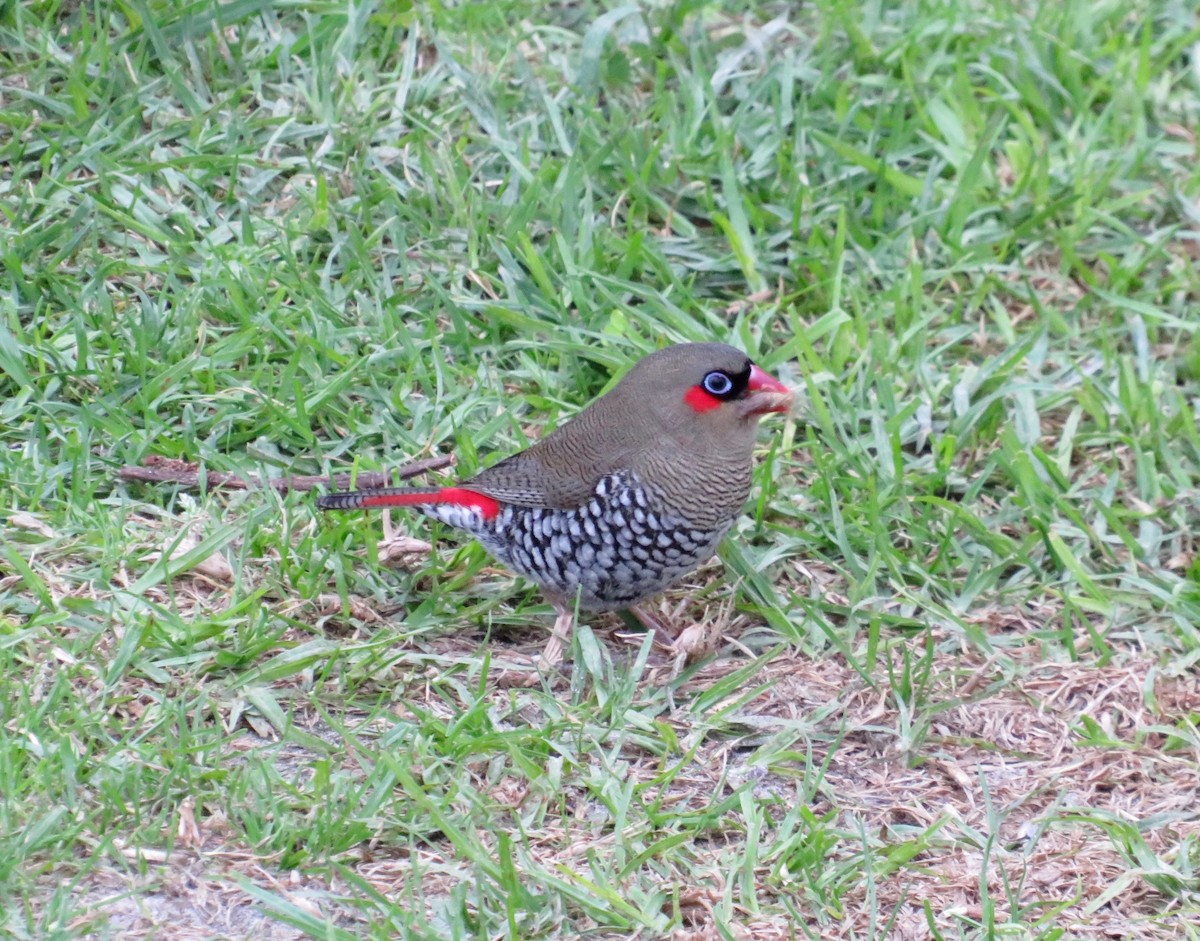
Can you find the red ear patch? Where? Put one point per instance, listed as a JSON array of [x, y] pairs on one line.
[[699, 400]]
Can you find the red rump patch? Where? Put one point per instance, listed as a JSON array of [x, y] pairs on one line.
[[699, 400], [458, 496]]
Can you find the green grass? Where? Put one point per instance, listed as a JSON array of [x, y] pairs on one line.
[[959, 692]]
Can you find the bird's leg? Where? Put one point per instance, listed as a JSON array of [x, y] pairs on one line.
[[560, 636], [651, 623]]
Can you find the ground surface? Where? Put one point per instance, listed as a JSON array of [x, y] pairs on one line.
[[944, 680]]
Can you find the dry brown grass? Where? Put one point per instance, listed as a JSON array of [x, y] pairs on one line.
[[1001, 782]]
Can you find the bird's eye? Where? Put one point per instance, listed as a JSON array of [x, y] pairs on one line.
[[718, 383]]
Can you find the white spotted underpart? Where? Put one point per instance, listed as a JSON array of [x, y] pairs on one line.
[[616, 549]]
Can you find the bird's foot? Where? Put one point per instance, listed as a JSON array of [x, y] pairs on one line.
[[684, 642], [695, 643]]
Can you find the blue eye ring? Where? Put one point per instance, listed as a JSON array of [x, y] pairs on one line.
[[717, 383]]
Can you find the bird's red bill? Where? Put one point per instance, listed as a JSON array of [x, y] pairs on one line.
[[775, 396], [763, 382]]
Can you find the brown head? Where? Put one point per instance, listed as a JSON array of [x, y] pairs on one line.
[[701, 395], [684, 418]]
